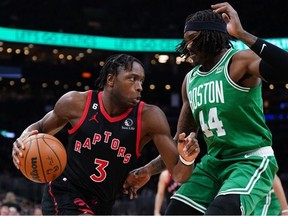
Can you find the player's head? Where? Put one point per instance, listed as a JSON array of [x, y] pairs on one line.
[[213, 36], [113, 65]]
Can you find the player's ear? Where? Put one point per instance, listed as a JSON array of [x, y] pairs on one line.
[[110, 80]]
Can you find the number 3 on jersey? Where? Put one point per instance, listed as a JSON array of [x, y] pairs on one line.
[[102, 164], [213, 123]]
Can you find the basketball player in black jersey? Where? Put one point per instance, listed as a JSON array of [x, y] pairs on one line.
[[109, 128]]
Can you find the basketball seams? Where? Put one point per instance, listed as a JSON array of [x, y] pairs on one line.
[[53, 150], [29, 141], [54, 140], [40, 155]]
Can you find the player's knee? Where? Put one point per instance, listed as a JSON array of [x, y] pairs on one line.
[[225, 205], [176, 207]]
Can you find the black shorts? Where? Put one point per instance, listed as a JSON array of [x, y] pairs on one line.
[[60, 197]]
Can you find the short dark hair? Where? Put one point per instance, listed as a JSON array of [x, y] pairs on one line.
[[210, 41], [112, 66]]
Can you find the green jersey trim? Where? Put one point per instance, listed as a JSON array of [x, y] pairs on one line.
[[254, 179], [228, 78], [189, 202], [201, 73]]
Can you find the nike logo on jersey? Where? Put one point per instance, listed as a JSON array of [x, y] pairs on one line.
[[263, 46]]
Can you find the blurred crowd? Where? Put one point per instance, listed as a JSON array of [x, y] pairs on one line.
[[13, 205]]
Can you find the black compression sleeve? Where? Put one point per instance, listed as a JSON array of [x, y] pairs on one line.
[[272, 74], [274, 64]]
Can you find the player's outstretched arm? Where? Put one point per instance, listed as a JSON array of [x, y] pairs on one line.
[[272, 62], [52, 122]]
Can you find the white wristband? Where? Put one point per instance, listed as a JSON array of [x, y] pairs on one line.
[[188, 163], [285, 211]]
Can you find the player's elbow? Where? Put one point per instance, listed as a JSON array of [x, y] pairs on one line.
[[181, 177]]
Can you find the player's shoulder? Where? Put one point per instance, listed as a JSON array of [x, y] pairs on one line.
[[71, 103], [165, 173], [165, 176], [73, 97], [75, 94], [153, 115], [151, 109], [244, 54]]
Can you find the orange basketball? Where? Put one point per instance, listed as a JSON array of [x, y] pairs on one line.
[[44, 158]]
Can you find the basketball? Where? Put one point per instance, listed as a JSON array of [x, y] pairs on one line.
[[44, 158]]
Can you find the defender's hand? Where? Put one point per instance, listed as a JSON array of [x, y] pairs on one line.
[[188, 147]]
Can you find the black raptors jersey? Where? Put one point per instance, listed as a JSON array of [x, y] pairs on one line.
[[102, 149]]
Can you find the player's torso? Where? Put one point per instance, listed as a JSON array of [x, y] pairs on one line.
[[229, 115], [102, 149]]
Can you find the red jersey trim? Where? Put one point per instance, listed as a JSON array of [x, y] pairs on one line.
[[139, 128], [84, 114], [106, 115], [53, 197]]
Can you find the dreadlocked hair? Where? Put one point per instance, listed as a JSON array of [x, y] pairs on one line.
[[209, 41], [112, 66]]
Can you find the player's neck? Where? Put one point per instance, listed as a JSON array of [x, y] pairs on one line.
[[212, 61], [111, 106]]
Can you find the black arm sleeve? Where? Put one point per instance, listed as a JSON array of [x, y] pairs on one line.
[[272, 74], [274, 64]]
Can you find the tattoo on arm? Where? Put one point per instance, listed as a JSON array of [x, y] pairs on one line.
[[157, 165]]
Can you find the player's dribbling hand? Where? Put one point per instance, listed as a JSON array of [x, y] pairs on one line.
[[18, 146], [188, 147], [134, 181]]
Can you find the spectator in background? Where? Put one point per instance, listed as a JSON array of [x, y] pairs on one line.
[[14, 211], [12, 203], [166, 188], [37, 211], [4, 209], [279, 192]]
